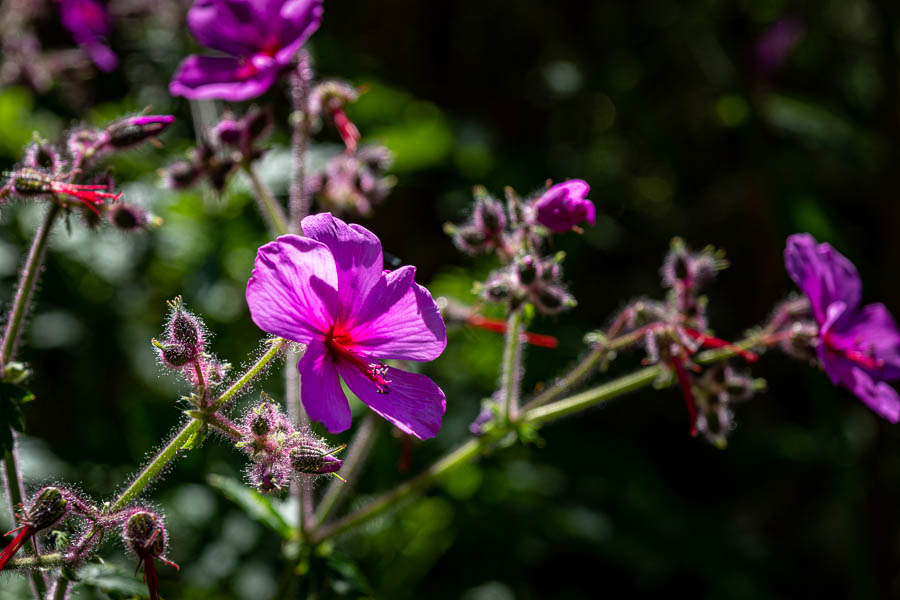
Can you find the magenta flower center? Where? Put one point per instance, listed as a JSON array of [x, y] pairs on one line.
[[340, 345], [865, 359], [260, 61]]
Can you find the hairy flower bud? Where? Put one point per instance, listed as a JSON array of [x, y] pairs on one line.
[[133, 131], [313, 457], [41, 155], [144, 534], [527, 269], [129, 217], [181, 174], [488, 216], [184, 340], [48, 506]]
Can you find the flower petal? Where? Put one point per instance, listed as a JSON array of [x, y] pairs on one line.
[[201, 77], [399, 320], [232, 26], [871, 331], [822, 273], [321, 390], [415, 404], [292, 291], [880, 397], [357, 254], [299, 20]]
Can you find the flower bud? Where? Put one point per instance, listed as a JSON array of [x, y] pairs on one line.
[[128, 217], [488, 216], [41, 155], [313, 457], [227, 132], [527, 269], [48, 507], [564, 206], [145, 534], [181, 174], [133, 131]]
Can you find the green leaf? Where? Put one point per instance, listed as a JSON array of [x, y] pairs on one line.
[[254, 505], [112, 580]]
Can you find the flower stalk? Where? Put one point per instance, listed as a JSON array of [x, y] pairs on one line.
[[271, 211], [511, 371]]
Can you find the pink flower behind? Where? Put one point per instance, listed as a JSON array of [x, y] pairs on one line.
[[564, 206], [329, 291]]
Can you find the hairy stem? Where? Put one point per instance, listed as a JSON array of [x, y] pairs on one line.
[[275, 346], [27, 282], [357, 452], [56, 559], [60, 589], [300, 81], [511, 370], [169, 452], [271, 211]]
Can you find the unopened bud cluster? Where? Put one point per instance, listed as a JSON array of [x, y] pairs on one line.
[[278, 452], [182, 347], [530, 279], [232, 142], [327, 101], [49, 171], [353, 183]]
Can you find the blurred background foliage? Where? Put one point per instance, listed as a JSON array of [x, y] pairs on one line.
[[686, 117]]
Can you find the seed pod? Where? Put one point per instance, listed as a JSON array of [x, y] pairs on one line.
[[126, 133], [314, 458], [48, 507]]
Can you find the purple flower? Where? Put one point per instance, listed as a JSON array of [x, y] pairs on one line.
[[89, 23], [328, 291], [260, 37], [859, 348], [564, 206]]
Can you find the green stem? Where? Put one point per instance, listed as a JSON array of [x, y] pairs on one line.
[[30, 273], [358, 451], [385, 502], [471, 449], [59, 591], [157, 464], [16, 495], [275, 346], [511, 369], [271, 211], [298, 204], [55, 559], [594, 396], [221, 423]]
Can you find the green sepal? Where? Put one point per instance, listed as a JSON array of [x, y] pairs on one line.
[[16, 372]]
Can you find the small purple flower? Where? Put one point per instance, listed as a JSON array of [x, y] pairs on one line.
[[260, 37], [330, 292], [89, 23], [859, 348], [564, 206]]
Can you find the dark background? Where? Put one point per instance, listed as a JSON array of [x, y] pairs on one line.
[[668, 111]]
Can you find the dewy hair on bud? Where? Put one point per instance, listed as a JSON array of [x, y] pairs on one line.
[[48, 506], [145, 535]]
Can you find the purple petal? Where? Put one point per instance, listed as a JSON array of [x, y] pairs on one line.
[[357, 254], [565, 205], [321, 390], [822, 273], [880, 397], [414, 403], [292, 292], [201, 77], [101, 55], [299, 20], [399, 320], [871, 331], [232, 26]]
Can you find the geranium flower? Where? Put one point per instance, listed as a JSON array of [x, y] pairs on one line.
[[89, 22], [328, 291], [564, 206], [858, 348], [260, 38]]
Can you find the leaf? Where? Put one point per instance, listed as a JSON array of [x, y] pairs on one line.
[[112, 580], [254, 505]]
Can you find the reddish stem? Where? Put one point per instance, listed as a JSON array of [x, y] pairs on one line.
[[25, 532], [708, 341], [535, 339], [684, 383]]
